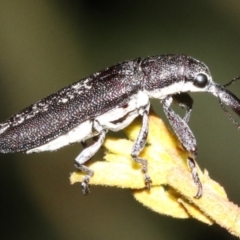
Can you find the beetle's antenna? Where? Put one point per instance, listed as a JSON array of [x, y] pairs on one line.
[[228, 114], [232, 81]]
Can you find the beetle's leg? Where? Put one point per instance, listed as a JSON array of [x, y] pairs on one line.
[[86, 155], [140, 143], [185, 101], [187, 139], [180, 127]]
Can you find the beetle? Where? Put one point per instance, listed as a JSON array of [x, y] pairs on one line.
[[110, 100]]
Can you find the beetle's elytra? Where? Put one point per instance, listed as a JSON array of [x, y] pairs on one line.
[[110, 100]]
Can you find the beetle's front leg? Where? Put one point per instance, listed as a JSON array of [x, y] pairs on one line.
[[185, 101], [187, 139], [140, 143], [86, 155]]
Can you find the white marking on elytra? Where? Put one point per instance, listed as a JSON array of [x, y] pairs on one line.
[[76, 86], [4, 127], [71, 96], [63, 100], [43, 105], [84, 84], [20, 120]]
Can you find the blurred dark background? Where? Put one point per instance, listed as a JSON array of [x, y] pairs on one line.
[[46, 45]]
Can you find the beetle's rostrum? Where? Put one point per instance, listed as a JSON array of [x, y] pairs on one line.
[[110, 100]]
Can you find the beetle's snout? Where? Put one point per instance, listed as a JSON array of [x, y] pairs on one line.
[[227, 98]]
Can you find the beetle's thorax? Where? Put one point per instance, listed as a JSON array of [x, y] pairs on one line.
[[170, 74], [163, 75]]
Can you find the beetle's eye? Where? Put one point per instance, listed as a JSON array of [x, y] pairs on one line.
[[201, 80]]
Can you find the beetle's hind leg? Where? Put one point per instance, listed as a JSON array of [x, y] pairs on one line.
[[87, 154]]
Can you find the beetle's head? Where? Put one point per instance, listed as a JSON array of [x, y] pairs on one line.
[[197, 76], [198, 79]]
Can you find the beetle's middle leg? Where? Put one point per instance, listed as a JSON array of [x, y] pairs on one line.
[[87, 154], [187, 139], [140, 143]]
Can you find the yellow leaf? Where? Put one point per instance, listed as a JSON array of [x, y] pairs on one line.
[[172, 191]]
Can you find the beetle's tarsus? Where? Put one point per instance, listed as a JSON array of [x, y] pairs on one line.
[[148, 181], [86, 180], [200, 190], [147, 178], [192, 165], [85, 185]]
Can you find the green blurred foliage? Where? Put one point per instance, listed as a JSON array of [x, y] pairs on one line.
[[45, 45]]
